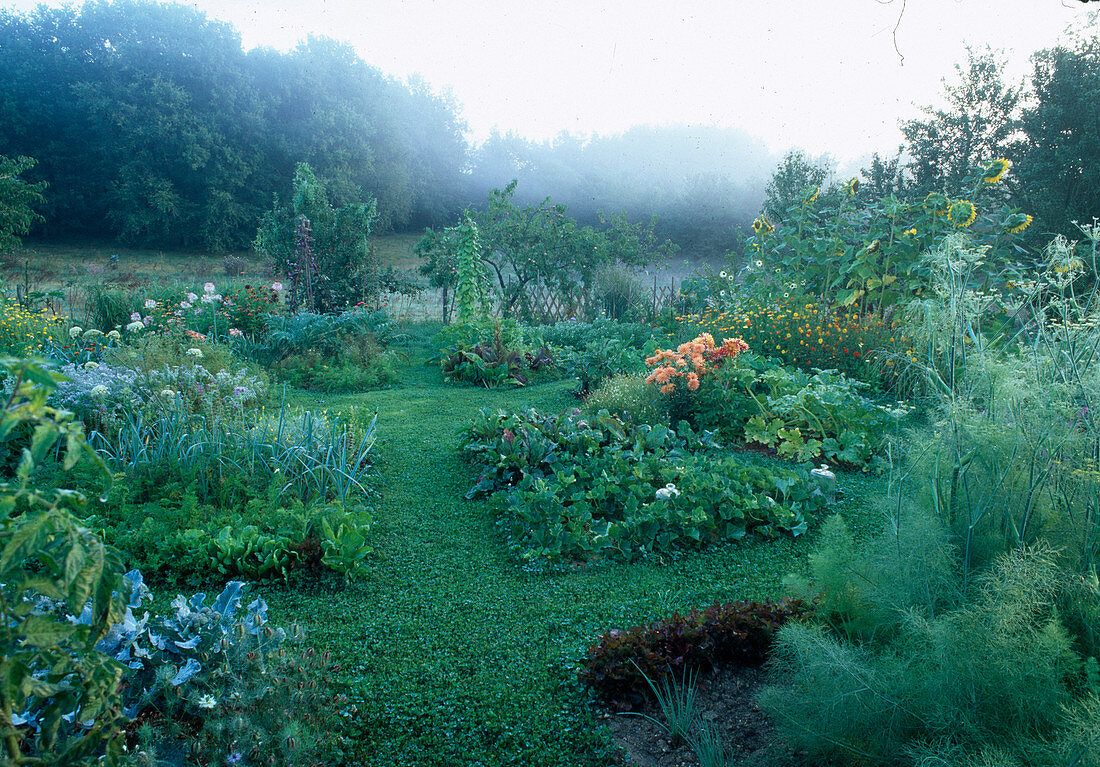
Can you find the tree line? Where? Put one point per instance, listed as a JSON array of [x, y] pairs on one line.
[[152, 126]]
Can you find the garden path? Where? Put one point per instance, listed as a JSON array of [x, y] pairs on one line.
[[459, 655]]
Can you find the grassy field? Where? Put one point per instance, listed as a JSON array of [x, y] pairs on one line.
[[457, 654]]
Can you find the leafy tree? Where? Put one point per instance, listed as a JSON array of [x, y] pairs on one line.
[[18, 200], [336, 238], [1059, 170], [541, 245], [977, 125], [795, 175], [153, 126], [885, 177]]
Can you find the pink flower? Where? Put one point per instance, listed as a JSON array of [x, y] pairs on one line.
[[235, 332], [208, 288], [135, 317], [276, 286]]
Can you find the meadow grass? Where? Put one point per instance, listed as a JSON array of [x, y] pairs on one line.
[[457, 654]]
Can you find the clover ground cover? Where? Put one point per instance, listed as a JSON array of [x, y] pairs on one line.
[[455, 653]]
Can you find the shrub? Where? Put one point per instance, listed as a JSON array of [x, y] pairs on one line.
[[808, 335], [247, 310], [234, 266], [24, 332], [327, 352], [617, 665], [629, 398]]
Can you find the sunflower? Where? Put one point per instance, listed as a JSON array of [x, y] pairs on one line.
[[1018, 222], [936, 203], [995, 170], [762, 226], [962, 213]]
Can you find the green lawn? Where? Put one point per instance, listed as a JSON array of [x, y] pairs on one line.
[[456, 654]]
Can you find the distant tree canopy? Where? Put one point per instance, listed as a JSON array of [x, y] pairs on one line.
[[704, 184], [976, 126], [152, 126], [18, 201], [1058, 154]]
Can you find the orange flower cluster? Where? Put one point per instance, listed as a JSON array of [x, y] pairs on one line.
[[700, 354]]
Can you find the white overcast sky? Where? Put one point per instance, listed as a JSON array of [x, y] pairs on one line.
[[822, 75]]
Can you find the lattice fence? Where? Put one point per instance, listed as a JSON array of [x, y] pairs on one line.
[[547, 306]]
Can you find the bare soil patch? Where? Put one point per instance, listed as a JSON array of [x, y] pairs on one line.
[[726, 698]]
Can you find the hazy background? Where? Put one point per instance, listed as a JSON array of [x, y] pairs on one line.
[[680, 111]]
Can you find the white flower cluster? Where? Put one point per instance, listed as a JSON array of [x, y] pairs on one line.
[[667, 493]]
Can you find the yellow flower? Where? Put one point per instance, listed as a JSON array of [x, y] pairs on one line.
[[996, 170], [762, 226], [1022, 225], [962, 213]]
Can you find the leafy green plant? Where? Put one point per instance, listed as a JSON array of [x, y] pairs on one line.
[[994, 669], [707, 744], [471, 297], [804, 417], [218, 686], [59, 698], [598, 361], [568, 488], [627, 397], [501, 359], [1011, 453], [253, 499], [845, 249]]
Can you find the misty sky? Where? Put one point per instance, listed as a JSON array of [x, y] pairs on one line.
[[819, 74]]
